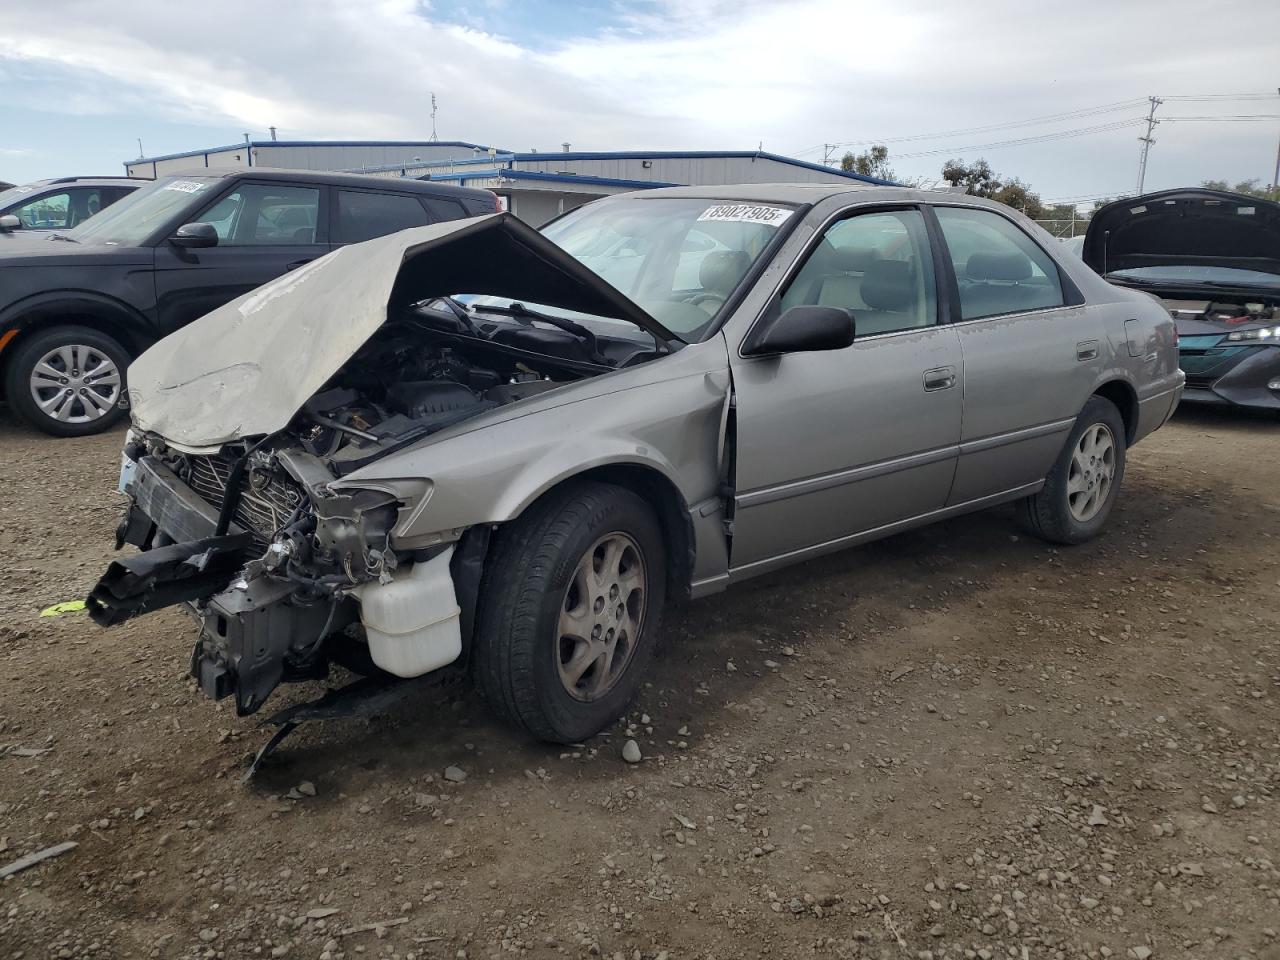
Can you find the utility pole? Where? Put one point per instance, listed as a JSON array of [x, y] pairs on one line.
[[1147, 141], [1275, 179], [826, 153], [434, 138]]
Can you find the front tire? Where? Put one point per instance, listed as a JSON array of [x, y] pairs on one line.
[[67, 381], [570, 604], [1081, 489]]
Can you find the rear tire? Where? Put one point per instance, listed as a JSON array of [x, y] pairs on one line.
[[570, 604], [1081, 489], [67, 381]]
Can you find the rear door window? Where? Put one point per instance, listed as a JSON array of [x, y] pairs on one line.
[[443, 210], [363, 216], [999, 269]]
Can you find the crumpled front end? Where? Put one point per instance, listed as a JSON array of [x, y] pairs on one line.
[[283, 573]]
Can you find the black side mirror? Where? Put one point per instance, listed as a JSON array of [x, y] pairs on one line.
[[801, 330], [191, 235]]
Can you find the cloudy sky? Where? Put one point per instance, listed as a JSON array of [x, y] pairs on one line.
[[82, 80]]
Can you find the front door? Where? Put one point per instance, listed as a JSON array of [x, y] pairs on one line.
[[838, 443], [1031, 358], [264, 230]]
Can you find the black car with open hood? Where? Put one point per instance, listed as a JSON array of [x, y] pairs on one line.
[[1213, 258]]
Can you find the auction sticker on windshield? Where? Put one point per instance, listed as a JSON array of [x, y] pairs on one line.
[[746, 213], [186, 186]]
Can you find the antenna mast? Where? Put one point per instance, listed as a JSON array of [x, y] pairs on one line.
[[434, 138]]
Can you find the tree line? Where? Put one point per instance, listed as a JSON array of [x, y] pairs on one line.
[[980, 180]]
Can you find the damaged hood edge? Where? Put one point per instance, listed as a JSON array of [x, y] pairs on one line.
[[246, 368]]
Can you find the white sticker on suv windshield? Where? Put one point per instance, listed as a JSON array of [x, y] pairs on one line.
[[186, 186], [746, 213]]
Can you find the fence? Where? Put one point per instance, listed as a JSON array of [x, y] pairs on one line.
[[1062, 229]]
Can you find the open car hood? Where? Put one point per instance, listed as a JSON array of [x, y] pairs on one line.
[[246, 368], [1197, 227]]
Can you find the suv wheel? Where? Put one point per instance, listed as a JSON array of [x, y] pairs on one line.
[[1081, 488], [68, 381], [569, 609]]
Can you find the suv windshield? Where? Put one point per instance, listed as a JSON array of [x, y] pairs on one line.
[[133, 219], [14, 194], [1189, 273], [679, 259]]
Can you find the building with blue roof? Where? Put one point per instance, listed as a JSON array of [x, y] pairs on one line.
[[535, 186]]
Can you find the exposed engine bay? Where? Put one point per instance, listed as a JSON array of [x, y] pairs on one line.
[[287, 573], [1222, 311]]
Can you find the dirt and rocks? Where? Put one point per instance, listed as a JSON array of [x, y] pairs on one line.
[[957, 743]]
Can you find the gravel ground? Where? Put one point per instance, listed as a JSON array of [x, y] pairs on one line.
[[955, 743]]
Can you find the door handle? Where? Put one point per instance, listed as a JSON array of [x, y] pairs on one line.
[[940, 378], [1087, 350], [297, 263]]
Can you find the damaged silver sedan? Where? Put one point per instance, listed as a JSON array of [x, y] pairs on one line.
[[474, 446]]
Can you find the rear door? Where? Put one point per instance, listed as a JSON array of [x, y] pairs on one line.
[[839, 443], [264, 230], [1031, 351]]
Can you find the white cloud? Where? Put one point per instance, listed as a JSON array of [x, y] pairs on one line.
[[679, 74]]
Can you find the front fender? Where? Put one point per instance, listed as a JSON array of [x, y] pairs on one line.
[[492, 474]]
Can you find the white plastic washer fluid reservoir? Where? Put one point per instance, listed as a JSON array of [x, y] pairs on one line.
[[412, 622]]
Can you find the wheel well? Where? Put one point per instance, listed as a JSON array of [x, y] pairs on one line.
[[39, 320], [673, 514], [1126, 401]]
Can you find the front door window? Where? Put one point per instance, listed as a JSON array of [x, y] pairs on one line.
[[877, 265]]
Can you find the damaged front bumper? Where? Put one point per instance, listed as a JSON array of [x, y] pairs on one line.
[[317, 593]]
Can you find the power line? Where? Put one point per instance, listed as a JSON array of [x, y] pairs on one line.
[[1020, 141], [1050, 118], [1228, 96], [1239, 118], [987, 128]]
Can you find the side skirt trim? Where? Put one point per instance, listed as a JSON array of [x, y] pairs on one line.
[[738, 574]]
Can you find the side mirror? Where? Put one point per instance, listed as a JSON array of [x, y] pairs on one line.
[[801, 330], [192, 235], [10, 222]]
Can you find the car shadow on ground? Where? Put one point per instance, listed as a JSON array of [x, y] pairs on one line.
[[1228, 418], [863, 592]]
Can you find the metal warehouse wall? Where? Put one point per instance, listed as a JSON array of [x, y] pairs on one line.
[[300, 157], [341, 157], [694, 171]]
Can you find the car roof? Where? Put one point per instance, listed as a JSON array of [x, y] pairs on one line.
[[133, 182], [809, 193], [398, 184]]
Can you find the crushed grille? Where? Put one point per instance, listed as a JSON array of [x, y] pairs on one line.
[[266, 499]]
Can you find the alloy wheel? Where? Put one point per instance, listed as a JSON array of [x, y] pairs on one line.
[[75, 383], [601, 617], [1093, 467]]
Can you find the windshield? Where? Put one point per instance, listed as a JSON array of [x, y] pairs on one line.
[[14, 194], [1188, 273], [133, 219], [678, 259]]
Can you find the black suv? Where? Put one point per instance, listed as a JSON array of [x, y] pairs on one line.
[[76, 307], [62, 203]]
